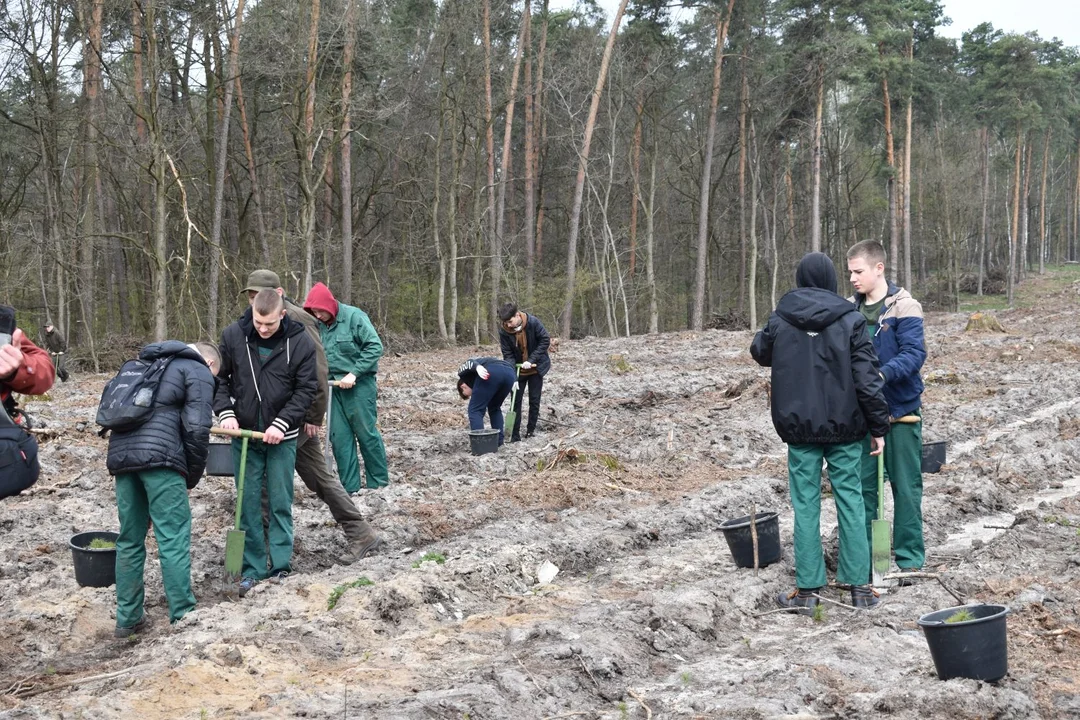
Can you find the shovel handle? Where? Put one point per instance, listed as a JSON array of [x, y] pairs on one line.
[[907, 419], [252, 434]]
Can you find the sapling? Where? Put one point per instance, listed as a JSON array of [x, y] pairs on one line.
[[101, 544], [961, 615], [818, 613]]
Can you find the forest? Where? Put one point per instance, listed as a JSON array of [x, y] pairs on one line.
[[660, 170]]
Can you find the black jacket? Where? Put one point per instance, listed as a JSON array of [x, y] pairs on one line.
[[825, 382], [467, 372], [536, 339], [278, 391], [177, 434]]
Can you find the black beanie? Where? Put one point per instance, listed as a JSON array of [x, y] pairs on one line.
[[816, 270]]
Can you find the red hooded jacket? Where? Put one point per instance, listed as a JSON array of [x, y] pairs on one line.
[[320, 298]]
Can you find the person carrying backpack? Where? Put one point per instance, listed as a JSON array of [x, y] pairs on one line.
[[268, 380], [155, 464], [26, 369]]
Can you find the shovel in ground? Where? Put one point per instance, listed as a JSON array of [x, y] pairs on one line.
[[329, 407], [880, 531], [511, 417], [234, 540]]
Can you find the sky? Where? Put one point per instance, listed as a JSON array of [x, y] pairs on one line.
[[1050, 18]]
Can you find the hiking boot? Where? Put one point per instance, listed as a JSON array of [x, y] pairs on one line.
[[864, 596], [906, 581], [361, 547], [246, 584], [515, 438], [278, 578], [802, 598], [126, 632], [529, 433]]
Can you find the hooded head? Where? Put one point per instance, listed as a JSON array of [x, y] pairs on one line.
[[321, 299], [816, 270]]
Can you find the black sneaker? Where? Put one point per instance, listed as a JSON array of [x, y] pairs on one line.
[[864, 596], [246, 584], [126, 632], [802, 598]]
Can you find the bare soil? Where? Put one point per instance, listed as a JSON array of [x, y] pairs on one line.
[[623, 491]]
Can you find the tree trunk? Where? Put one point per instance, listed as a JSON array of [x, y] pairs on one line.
[[1015, 227], [743, 102], [489, 120], [815, 197], [650, 244], [91, 181], [506, 165], [530, 142], [256, 191], [908, 283], [306, 150], [1022, 260], [579, 186], [1042, 203], [984, 235], [540, 144], [635, 173], [451, 222], [697, 314], [755, 188], [346, 154], [219, 174], [440, 304], [890, 161]]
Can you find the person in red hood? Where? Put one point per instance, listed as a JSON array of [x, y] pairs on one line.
[[353, 349]]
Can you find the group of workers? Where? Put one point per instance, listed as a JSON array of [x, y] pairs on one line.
[[843, 371]]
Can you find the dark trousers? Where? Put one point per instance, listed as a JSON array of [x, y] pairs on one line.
[[312, 468], [487, 397], [535, 385]]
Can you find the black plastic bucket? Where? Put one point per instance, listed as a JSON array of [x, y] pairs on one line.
[[94, 568], [933, 456], [219, 460], [484, 441], [741, 542], [973, 648]]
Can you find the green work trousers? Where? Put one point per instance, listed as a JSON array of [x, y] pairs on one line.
[[804, 479], [160, 496], [903, 470], [269, 468], [353, 420]]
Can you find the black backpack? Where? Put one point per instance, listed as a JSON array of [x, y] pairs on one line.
[[18, 457], [128, 399]]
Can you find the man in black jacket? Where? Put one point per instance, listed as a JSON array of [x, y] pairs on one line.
[[155, 465], [826, 397], [525, 342], [57, 346], [268, 382]]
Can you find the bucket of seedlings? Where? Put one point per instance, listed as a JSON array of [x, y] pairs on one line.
[[739, 533], [94, 554], [968, 641]]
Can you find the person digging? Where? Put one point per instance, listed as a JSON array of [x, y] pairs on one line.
[[311, 466], [826, 397], [268, 380], [525, 341], [894, 321], [485, 382]]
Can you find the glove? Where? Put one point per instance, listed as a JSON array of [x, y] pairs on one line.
[[482, 372], [526, 365]]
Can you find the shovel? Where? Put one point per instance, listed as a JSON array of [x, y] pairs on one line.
[[511, 417], [234, 540], [880, 531], [329, 407]]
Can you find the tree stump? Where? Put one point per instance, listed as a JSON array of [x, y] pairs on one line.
[[983, 322]]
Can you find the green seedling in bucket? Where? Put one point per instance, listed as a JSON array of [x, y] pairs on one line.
[[961, 615], [101, 544], [234, 540]]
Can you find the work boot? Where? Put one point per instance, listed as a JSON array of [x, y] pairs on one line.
[[126, 632], [802, 598], [362, 545], [864, 596]]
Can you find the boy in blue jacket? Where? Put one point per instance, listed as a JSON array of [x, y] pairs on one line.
[[895, 322]]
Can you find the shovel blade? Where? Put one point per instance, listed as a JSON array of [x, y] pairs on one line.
[[508, 423], [234, 557], [880, 550]]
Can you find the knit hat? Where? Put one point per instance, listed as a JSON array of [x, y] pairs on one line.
[[262, 280], [320, 298]]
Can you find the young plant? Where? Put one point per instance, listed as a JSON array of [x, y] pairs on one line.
[[337, 592], [435, 557], [818, 614], [101, 544], [961, 615]]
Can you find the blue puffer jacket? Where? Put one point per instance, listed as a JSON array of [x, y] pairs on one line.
[[177, 435], [901, 349]]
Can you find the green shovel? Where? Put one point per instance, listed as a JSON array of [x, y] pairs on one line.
[[511, 417], [234, 540], [880, 531]]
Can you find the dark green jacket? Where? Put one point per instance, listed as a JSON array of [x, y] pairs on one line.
[[318, 407], [351, 343]]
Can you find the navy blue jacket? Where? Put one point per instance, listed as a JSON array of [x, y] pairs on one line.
[[536, 339], [901, 349], [825, 383], [177, 434]]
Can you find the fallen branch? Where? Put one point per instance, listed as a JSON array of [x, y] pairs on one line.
[[834, 602], [959, 598], [31, 692], [905, 575], [613, 486], [566, 715], [529, 674], [648, 710], [587, 671]]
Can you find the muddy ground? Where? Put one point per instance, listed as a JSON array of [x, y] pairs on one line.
[[637, 465]]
